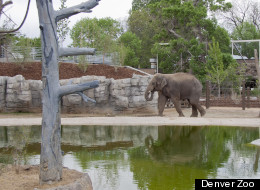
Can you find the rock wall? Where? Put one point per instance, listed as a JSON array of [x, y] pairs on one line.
[[3, 85], [112, 96]]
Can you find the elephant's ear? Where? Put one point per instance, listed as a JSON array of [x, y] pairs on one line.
[[164, 82]]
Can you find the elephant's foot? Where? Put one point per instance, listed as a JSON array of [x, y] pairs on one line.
[[181, 115], [160, 114], [202, 113], [194, 115]]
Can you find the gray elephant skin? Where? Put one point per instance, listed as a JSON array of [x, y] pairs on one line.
[[176, 87]]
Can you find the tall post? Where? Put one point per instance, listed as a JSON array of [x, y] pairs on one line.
[[207, 94], [257, 65], [244, 95], [232, 48], [157, 63], [248, 96], [51, 158]]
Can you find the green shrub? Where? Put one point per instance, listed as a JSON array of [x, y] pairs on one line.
[[255, 92], [83, 64]]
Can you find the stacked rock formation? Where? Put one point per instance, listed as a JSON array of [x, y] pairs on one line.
[[112, 96]]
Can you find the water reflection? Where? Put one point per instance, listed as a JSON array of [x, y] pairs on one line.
[[138, 157]]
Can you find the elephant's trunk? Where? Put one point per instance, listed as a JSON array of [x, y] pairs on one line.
[[146, 95]]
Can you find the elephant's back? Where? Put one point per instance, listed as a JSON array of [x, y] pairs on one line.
[[183, 78], [186, 83]]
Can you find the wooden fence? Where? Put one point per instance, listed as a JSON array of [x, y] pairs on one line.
[[244, 99]]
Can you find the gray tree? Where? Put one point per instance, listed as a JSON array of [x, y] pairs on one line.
[[51, 158], [241, 12]]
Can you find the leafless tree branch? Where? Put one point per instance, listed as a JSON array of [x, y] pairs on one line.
[[70, 89], [76, 51], [83, 7], [2, 5]]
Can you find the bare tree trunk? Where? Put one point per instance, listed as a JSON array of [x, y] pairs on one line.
[[218, 89], [257, 67], [51, 158]]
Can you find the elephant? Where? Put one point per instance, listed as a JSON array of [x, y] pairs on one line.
[[176, 87]]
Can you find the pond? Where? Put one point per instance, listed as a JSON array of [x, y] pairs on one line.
[[144, 157]]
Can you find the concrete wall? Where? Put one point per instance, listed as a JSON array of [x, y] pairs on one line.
[[112, 96]]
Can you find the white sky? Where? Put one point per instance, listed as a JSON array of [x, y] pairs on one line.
[[116, 9]]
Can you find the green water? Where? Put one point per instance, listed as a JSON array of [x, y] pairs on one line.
[[138, 157]]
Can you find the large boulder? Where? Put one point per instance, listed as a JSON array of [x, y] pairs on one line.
[[18, 94]]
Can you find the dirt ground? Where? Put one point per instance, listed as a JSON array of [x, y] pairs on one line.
[[28, 178]]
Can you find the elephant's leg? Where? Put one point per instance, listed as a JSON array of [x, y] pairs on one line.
[[161, 103], [177, 106], [194, 111], [195, 105], [201, 110]]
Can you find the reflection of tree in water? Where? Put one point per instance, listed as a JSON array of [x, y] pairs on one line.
[[162, 161], [15, 144], [175, 144], [203, 146], [102, 148], [243, 159], [106, 163], [185, 153], [235, 140]]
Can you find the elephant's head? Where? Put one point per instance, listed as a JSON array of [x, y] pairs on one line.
[[156, 84]]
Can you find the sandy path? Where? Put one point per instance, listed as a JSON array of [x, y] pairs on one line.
[[215, 116]]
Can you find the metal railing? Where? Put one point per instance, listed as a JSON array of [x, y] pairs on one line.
[[16, 53], [20, 54]]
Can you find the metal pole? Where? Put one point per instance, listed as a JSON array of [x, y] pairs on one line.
[[207, 95], [248, 89], [157, 62], [232, 49], [181, 61], [244, 96]]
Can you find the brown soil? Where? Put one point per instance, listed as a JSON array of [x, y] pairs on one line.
[[33, 71], [28, 178]]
